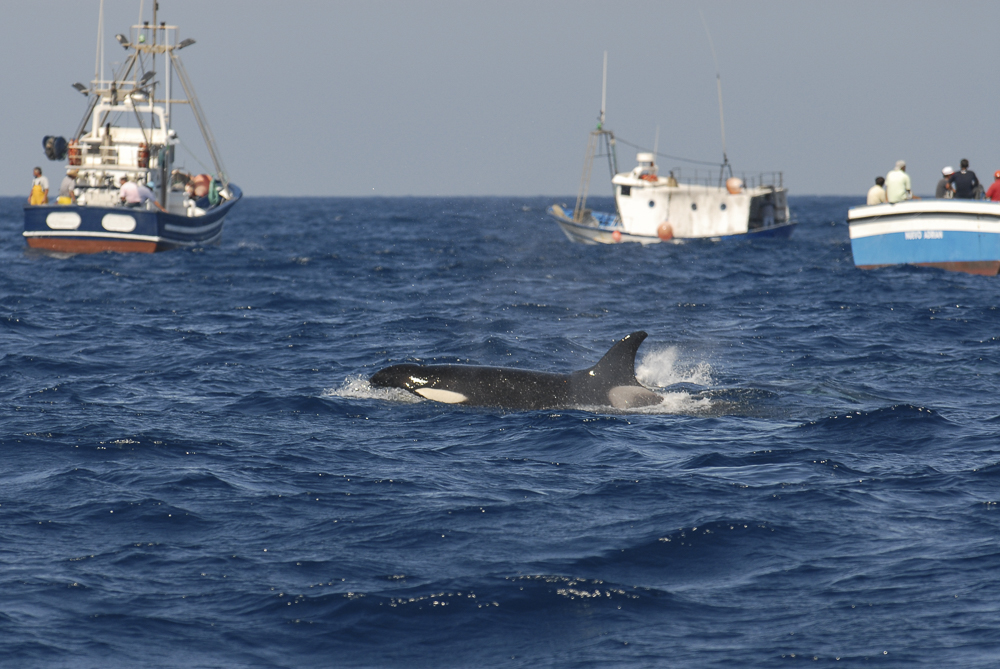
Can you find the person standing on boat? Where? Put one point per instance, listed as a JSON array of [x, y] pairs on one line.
[[944, 189], [135, 194], [897, 184], [965, 182], [876, 194], [66, 195], [993, 193], [39, 189]]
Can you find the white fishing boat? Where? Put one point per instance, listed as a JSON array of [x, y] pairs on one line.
[[956, 235], [651, 208], [126, 134]]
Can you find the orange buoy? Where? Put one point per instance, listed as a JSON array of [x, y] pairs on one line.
[[616, 235], [665, 231], [74, 152], [734, 185]]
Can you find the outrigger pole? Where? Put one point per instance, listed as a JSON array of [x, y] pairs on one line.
[[199, 116], [599, 137], [718, 85]]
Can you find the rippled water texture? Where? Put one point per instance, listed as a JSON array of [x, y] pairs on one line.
[[197, 473]]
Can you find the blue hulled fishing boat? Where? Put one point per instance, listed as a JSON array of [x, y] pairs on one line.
[[125, 191]]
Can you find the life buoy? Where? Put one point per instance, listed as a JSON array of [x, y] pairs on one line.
[[665, 231], [143, 155]]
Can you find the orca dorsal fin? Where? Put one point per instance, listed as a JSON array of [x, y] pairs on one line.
[[617, 367]]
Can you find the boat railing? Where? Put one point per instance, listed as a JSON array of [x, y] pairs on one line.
[[695, 177]]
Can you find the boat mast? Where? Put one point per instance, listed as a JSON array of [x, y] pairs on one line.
[[598, 138], [718, 84]]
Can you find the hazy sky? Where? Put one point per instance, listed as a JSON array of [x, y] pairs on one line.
[[473, 98]]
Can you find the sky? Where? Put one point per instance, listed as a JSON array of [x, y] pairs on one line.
[[449, 98]]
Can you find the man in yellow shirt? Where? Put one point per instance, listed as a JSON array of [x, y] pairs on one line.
[[897, 184]]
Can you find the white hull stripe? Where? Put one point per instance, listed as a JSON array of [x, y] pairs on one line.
[[926, 207], [192, 231], [924, 222], [84, 233]]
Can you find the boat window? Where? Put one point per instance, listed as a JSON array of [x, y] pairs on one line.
[[626, 191], [652, 204], [723, 206], [694, 206]]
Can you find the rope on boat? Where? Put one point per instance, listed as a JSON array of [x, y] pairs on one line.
[[666, 155]]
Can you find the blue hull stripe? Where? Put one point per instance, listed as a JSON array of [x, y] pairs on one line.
[[926, 247]]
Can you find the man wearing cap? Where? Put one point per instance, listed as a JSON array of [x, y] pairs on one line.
[[876, 194], [993, 194], [965, 182], [897, 184], [944, 189]]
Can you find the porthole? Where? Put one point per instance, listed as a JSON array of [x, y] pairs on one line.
[[652, 204], [723, 206], [694, 206]]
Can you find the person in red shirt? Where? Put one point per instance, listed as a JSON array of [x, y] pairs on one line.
[[993, 193]]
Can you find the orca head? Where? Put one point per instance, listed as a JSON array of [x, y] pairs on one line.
[[420, 380]]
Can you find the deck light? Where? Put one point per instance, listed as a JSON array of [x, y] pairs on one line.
[[80, 87], [122, 40], [146, 77], [186, 42]]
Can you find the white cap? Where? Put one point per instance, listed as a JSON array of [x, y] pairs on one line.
[[948, 171], [900, 164]]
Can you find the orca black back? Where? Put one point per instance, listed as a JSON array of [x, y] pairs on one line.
[[611, 382]]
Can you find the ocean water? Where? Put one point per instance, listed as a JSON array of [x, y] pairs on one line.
[[195, 471]]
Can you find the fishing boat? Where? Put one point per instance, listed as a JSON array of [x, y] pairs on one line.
[[956, 235], [651, 208], [126, 134]]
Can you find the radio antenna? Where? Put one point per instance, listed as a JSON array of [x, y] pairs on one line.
[[718, 85]]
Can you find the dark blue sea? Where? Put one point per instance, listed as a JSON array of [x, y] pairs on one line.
[[196, 472]]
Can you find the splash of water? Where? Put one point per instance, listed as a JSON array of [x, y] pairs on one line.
[[661, 368], [358, 387]]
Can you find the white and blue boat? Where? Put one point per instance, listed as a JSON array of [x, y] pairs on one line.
[[651, 208], [955, 235], [126, 133]]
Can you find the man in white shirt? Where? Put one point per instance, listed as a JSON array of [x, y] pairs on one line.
[[39, 189]]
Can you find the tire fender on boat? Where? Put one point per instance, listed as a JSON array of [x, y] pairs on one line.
[[665, 231]]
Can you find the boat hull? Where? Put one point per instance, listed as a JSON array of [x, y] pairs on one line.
[[954, 235], [600, 228], [83, 229]]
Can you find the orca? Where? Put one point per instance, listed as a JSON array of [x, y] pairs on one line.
[[611, 382]]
